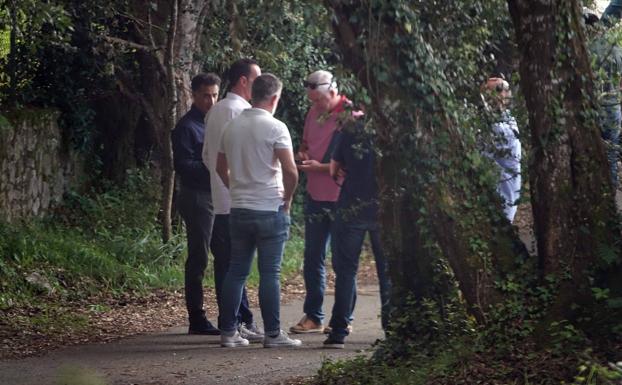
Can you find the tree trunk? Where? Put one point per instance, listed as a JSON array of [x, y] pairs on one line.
[[192, 16], [169, 119], [571, 193], [165, 42], [426, 215]]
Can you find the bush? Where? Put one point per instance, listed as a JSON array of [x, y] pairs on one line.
[[107, 241]]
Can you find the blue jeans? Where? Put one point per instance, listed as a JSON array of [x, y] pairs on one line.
[[220, 245], [610, 118], [347, 242], [383, 276], [266, 232], [318, 225]]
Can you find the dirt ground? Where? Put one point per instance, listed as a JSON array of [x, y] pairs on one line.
[[108, 319], [169, 356]]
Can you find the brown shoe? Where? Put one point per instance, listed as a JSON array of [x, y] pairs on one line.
[[305, 326], [328, 329]]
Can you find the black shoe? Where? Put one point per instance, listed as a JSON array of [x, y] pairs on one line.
[[333, 343], [206, 330]]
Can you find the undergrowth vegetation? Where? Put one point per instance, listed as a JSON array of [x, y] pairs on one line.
[[470, 304], [106, 241]]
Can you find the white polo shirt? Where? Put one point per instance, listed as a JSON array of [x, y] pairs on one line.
[[255, 174], [216, 120]]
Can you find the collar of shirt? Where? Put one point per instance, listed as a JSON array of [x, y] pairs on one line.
[[341, 106], [196, 114], [256, 111], [237, 99]]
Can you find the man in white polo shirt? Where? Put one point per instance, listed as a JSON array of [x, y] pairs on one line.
[[241, 75], [256, 161]]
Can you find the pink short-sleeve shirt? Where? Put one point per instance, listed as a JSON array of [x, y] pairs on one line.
[[317, 134]]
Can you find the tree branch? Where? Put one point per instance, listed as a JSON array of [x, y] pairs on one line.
[[150, 24], [131, 44], [169, 56], [126, 88], [140, 21]]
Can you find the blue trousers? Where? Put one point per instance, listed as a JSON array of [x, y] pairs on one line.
[[220, 245], [318, 226], [266, 232], [347, 242]]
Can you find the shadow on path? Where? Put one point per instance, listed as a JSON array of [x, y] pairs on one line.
[[173, 357]]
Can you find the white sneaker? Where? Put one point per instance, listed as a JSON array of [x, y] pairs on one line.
[[251, 333], [280, 341], [233, 341]]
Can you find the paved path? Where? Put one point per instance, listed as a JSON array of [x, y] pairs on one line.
[[173, 357]]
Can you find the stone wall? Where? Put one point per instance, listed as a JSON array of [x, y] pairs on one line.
[[34, 169]]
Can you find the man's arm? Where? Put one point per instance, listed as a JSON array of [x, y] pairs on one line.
[[335, 169], [222, 168], [204, 153], [302, 151], [314, 165], [290, 174], [185, 162]]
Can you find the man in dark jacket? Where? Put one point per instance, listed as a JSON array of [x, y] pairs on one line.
[[194, 198], [356, 214]]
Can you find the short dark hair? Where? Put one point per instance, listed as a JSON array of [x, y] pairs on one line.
[[590, 17], [201, 80], [264, 87], [239, 68]]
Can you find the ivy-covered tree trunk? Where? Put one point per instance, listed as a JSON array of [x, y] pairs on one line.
[[571, 193], [436, 206]]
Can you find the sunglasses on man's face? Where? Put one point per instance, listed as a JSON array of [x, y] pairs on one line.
[[313, 86]]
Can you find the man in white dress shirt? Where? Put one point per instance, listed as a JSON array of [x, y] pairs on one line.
[[241, 75]]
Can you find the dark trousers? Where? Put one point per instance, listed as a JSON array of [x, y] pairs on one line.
[[347, 241], [220, 246], [383, 276], [195, 207]]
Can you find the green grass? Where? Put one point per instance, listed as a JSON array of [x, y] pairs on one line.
[[102, 242], [73, 263], [417, 370], [5, 44]]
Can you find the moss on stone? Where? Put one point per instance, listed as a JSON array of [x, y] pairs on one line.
[[29, 115]]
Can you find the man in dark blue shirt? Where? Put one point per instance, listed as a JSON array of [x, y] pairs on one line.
[[194, 198], [613, 12], [356, 214]]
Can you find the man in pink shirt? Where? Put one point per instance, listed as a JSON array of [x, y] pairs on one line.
[[319, 138]]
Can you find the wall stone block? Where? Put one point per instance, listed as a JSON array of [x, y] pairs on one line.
[[35, 169]]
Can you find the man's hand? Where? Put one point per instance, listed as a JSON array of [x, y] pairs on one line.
[[302, 155], [313, 165], [287, 204], [290, 175], [222, 168]]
